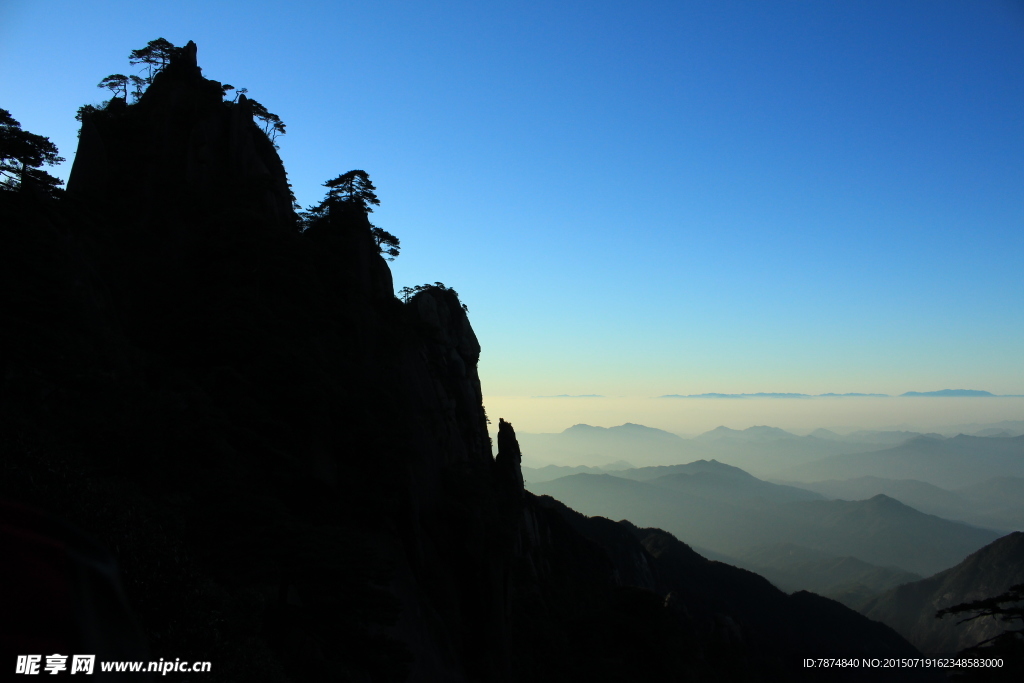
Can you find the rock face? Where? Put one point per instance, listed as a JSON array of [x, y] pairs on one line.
[[911, 608], [180, 141], [293, 467]]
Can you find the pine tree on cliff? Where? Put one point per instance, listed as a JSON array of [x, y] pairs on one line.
[[21, 155], [155, 56], [1008, 645], [354, 189], [387, 244], [114, 83], [270, 123]]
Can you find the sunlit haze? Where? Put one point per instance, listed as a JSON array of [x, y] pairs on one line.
[[694, 416]]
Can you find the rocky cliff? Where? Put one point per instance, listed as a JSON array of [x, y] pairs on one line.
[[292, 466], [911, 608]]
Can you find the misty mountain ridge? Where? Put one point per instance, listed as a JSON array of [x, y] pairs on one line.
[[628, 430], [769, 394], [996, 503], [756, 433], [762, 450], [731, 513], [950, 393], [867, 436], [1011, 427], [948, 463]]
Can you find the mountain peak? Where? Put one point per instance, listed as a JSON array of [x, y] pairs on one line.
[[583, 428], [949, 393]]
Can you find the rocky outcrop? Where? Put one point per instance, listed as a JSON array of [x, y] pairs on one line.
[[181, 150], [508, 462]]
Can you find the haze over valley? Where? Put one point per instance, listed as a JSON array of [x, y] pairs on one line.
[[851, 516]]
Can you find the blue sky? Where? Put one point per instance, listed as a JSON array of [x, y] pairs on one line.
[[639, 198]]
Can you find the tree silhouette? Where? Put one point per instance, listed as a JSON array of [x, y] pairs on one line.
[[155, 56], [1008, 607], [114, 83], [138, 86], [353, 188], [21, 155], [1008, 645], [406, 293], [387, 244], [271, 124]]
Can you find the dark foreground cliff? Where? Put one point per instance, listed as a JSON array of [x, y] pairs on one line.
[[911, 608], [292, 466]]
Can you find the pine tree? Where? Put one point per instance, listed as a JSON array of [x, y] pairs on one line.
[[21, 155], [353, 188]]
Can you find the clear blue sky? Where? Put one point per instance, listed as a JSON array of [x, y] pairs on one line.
[[639, 198]]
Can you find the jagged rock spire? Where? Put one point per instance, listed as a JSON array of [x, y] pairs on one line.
[[509, 458]]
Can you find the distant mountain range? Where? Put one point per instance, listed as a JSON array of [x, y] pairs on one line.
[[942, 392], [996, 503], [773, 453], [764, 451], [727, 510], [948, 463], [766, 395]]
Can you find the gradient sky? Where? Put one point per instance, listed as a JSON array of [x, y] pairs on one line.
[[638, 198]]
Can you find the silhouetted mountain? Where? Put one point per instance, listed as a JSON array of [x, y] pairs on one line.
[[947, 463], [292, 466], [743, 627], [911, 608]]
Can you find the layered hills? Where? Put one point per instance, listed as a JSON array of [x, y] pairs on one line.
[[773, 453], [996, 503], [730, 512], [947, 463], [292, 466], [762, 451]]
